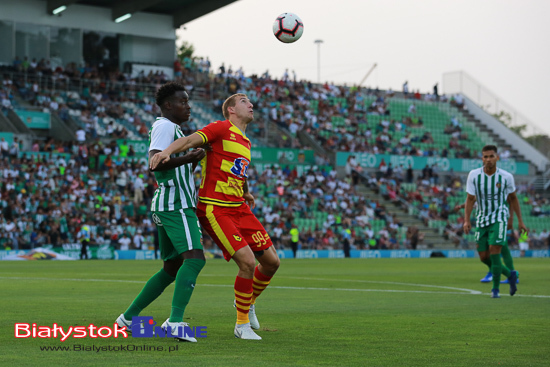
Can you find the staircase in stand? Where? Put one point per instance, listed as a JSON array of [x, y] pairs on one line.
[[432, 238], [501, 144]]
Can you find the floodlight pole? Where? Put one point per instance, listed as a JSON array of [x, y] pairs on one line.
[[318, 42]]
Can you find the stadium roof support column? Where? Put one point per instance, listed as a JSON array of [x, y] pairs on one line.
[[130, 7], [54, 4], [196, 10]]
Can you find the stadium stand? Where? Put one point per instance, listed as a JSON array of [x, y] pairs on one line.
[[99, 176]]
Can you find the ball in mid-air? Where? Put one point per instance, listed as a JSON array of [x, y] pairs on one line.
[[288, 28]]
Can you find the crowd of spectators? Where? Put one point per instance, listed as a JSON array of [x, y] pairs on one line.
[[338, 117], [335, 214], [49, 193], [46, 198]]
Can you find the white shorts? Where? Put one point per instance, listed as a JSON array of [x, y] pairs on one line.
[[524, 246]]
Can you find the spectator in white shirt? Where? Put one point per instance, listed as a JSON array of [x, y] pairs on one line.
[[125, 242], [4, 147], [139, 186], [80, 135], [139, 240]]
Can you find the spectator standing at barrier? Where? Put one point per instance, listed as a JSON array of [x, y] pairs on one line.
[[138, 240], [4, 148], [139, 187], [14, 148], [124, 242], [84, 237], [406, 89], [346, 241], [294, 239], [523, 243], [413, 236], [543, 237]]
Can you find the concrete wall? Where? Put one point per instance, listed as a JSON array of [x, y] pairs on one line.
[[88, 18]]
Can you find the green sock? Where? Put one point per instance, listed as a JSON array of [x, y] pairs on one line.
[[496, 269], [185, 284], [505, 270], [507, 257], [152, 289]]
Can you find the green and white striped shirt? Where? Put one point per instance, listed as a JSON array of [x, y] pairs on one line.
[[491, 193], [176, 187]]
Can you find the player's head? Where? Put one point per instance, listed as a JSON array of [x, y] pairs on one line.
[[238, 107], [489, 156], [174, 102]]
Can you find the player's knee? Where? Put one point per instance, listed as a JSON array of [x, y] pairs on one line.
[[247, 266], [270, 265], [275, 264], [194, 254], [171, 267]]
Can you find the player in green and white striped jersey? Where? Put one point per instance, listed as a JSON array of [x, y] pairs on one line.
[[176, 186], [492, 188], [173, 211]]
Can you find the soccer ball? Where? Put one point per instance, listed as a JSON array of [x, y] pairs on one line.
[[288, 28]]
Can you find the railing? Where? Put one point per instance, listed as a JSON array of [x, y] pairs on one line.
[[129, 89], [462, 82]]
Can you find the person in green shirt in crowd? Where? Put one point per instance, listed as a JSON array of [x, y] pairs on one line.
[[124, 149]]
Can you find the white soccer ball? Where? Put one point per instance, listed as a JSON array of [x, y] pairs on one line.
[[288, 28]]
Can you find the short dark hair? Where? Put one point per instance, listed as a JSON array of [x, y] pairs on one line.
[[166, 91], [490, 147], [230, 102]]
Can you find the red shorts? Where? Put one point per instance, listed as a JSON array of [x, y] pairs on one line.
[[233, 228]]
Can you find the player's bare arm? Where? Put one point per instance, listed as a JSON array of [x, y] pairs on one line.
[[514, 205], [510, 224], [248, 197], [193, 156], [179, 145], [458, 207], [468, 207]]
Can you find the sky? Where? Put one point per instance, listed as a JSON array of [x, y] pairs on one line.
[[503, 44]]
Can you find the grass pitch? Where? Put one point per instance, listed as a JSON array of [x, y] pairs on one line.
[[329, 312]]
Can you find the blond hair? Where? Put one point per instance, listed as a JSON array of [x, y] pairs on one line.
[[230, 102]]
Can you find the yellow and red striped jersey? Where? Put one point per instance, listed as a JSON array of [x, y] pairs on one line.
[[224, 168]]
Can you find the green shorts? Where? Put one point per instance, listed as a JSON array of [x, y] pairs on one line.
[[179, 231], [493, 234]]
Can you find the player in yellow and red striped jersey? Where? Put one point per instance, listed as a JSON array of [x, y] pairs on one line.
[[224, 206]]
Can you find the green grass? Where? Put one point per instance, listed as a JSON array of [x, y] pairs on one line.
[[349, 312]]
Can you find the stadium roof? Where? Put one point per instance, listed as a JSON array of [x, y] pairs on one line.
[[182, 11]]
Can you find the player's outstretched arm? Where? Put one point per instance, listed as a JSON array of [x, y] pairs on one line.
[[194, 156], [514, 205], [187, 142], [468, 207]]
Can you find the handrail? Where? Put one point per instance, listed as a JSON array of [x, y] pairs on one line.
[[485, 98]]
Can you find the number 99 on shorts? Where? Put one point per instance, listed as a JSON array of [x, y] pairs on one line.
[[260, 239]]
